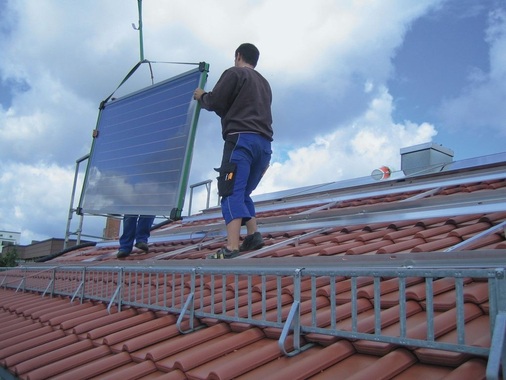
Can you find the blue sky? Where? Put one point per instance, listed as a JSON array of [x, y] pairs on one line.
[[353, 83], [438, 59]]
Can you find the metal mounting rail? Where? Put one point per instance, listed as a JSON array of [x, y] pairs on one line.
[[470, 241], [362, 188], [283, 243], [497, 355]]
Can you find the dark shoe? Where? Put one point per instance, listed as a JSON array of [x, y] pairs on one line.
[[142, 246], [122, 254], [252, 242], [224, 253]]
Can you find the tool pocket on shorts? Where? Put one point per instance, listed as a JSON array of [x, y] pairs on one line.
[[226, 179]]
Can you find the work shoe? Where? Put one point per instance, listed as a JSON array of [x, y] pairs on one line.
[[122, 254], [142, 246], [252, 242], [224, 253]]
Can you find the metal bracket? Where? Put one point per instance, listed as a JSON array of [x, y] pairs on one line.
[[497, 356], [117, 292], [23, 280], [51, 283], [20, 284], [468, 242], [81, 284], [293, 319], [189, 306], [47, 287]]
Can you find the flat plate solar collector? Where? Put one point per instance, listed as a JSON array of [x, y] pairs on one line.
[[141, 155]]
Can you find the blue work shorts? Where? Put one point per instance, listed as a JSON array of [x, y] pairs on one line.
[[246, 157]]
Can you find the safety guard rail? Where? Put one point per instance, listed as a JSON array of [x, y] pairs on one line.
[[314, 299]]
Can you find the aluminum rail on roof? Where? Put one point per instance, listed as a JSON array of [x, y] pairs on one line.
[[489, 161], [406, 210], [197, 233], [363, 188], [389, 212], [470, 241], [414, 209], [486, 162]]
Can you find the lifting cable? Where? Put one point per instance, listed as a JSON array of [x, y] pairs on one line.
[[142, 59]]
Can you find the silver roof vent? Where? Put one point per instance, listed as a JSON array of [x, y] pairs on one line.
[[424, 158]]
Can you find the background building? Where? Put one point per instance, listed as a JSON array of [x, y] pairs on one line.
[[8, 238]]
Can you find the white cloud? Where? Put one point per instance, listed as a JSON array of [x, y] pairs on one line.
[[49, 122], [327, 62], [35, 199], [350, 151]]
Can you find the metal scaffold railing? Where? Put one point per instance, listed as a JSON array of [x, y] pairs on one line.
[[352, 302]]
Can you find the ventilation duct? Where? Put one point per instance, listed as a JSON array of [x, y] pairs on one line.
[[424, 158]]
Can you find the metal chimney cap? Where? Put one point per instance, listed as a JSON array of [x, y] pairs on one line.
[[424, 146]]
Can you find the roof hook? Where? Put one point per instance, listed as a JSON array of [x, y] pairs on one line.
[[139, 28]]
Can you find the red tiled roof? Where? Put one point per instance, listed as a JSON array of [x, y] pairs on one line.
[[52, 337]]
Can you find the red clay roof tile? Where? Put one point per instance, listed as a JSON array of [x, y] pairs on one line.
[[237, 362], [437, 245], [25, 341], [180, 343], [147, 339], [145, 370], [470, 370], [137, 342], [61, 312], [150, 325], [382, 348], [8, 344], [37, 350], [84, 327], [97, 367], [18, 327], [52, 357], [215, 348], [118, 326], [403, 246], [386, 367], [55, 368], [477, 332], [345, 367], [368, 248]]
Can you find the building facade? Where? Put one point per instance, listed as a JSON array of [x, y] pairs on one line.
[[9, 238]]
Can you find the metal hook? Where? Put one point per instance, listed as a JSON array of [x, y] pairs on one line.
[[139, 5]]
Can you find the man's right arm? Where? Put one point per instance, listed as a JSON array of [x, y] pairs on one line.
[[222, 95]]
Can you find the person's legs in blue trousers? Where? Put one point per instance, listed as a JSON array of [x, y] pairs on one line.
[[126, 240], [135, 228], [142, 232], [252, 154]]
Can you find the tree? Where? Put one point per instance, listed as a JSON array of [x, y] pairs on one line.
[[9, 258]]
